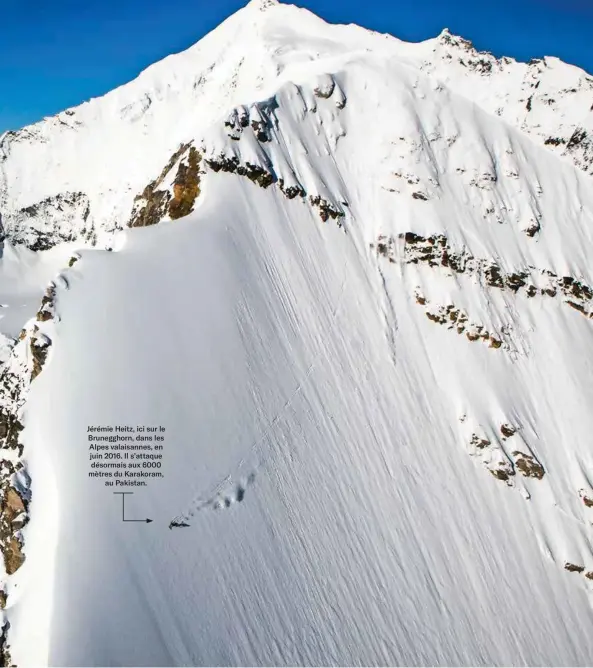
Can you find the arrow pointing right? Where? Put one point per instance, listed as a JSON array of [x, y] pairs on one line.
[[123, 509]]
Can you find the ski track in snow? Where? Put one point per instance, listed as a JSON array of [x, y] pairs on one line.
[[389, 316], [226, 491]]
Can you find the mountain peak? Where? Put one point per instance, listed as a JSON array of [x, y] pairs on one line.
[[262, 5], [447, 37]]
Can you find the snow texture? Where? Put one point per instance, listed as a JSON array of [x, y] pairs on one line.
[[369, 343]]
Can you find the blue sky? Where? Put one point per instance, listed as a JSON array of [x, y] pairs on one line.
[[57, 54]]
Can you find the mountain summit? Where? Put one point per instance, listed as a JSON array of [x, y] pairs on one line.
[[248, 57], [346, 281]]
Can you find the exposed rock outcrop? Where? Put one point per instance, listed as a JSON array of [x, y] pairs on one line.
[[46, 310], [186, 186], [5, 658], [255, 173], [456, 319], [40, 226], [587, 498], [435, 251], [173, 193], [573, 568], [504, 455], [528, 465], [26, 361], [39, 346]]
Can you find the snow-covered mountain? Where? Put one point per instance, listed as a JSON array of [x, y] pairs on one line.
[[351, 278], [80, 170]]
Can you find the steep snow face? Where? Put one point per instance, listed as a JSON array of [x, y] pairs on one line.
[[548, 99], [419, 158], [106, 150], [369, 345], [335, 515]]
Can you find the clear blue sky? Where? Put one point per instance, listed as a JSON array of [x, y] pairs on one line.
[[58, 53]]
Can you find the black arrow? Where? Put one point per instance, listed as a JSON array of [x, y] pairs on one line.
[[123, 508]]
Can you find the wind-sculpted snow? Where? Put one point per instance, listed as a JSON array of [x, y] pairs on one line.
[[359, 299], [261, 148]]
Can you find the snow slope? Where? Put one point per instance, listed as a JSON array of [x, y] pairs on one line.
[[366, 533], [369, 344]]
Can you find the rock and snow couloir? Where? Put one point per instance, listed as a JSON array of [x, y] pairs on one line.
[[364, 318]]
